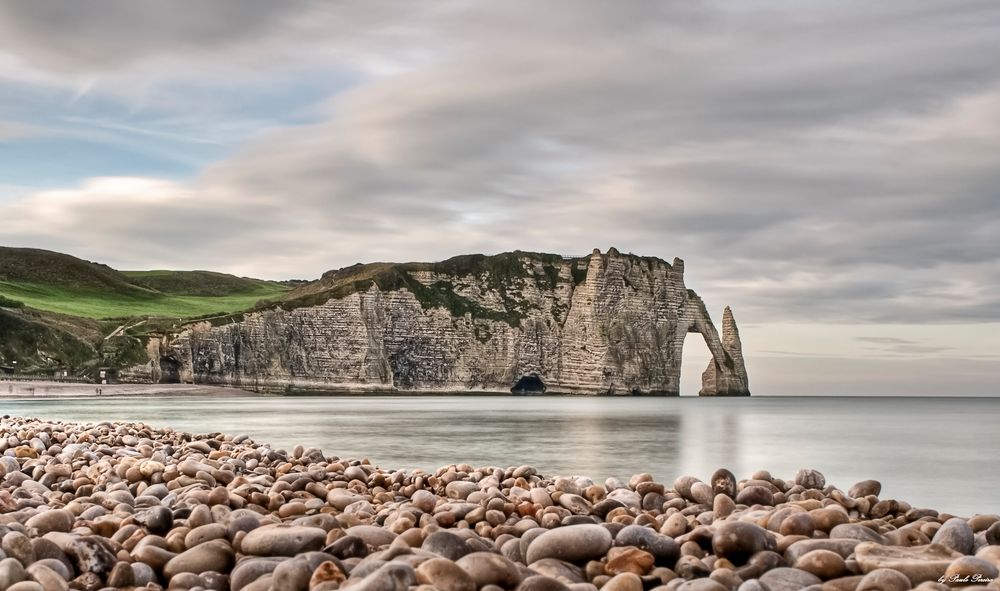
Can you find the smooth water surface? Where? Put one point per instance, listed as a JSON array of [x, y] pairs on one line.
[[942, 453]]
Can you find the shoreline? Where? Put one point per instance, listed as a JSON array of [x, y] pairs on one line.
[[26, 390], [54, 389], [128, 505], [41, 389]]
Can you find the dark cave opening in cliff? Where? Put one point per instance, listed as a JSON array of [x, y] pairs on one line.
[[694, 360], [170, 371], [529, 384]]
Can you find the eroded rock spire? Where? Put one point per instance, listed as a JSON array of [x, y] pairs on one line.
[[728, 376]]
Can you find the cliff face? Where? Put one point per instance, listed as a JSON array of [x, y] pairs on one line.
[[601, 324]]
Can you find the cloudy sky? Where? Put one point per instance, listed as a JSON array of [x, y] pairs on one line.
[[829, 169]]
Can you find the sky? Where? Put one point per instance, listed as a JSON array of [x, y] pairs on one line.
[[831, 170]]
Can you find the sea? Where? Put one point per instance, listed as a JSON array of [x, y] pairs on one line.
[[939, 453]]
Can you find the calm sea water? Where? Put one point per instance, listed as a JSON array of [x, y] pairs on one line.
[[942, 453]]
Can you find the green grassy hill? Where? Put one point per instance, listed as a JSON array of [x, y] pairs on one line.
[[32, 266], [199, 283], [63, 284], [61, 312]]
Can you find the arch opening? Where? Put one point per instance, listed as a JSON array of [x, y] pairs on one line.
[[694, 360]]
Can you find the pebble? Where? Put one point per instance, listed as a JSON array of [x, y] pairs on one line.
[[59, 520], [800, 524], [737, 541], [884, 579], [854, 531], [49, 579], [755, 495], [329, 574], [865, 488], [723, 483], [26, 586], [825, 519], [702, 585], [293, 575], [575, 543], [215, 555], [970, 570], [919, 563], [11, 571], [623, 582], [542, 583], [486, 568], [825, 564], [121, 575], [370, 534], [18, 546], [810, 479], [788, 579], [628, 559], [566, 572], [843, 547], [723, 506], [664, 549], [956, 534], [392, 576], [282, 540], [992, 534], [446, 544], [445, 575]]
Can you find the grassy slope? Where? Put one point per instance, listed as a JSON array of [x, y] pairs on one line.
[[199, 283], [63, 284], [40, 341], [109, 304]]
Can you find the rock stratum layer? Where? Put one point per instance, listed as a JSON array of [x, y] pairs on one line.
[[601, 324]]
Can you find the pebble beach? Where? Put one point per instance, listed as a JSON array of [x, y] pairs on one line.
[[130, 506]]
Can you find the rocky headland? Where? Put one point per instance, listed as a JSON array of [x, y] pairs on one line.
[[605, 323], [128, 506]]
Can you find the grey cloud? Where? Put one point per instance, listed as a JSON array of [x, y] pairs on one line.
[[225, 37], [827, 163], [104, 34]]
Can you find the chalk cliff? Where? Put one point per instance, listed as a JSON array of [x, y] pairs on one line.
[[600, 324]]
